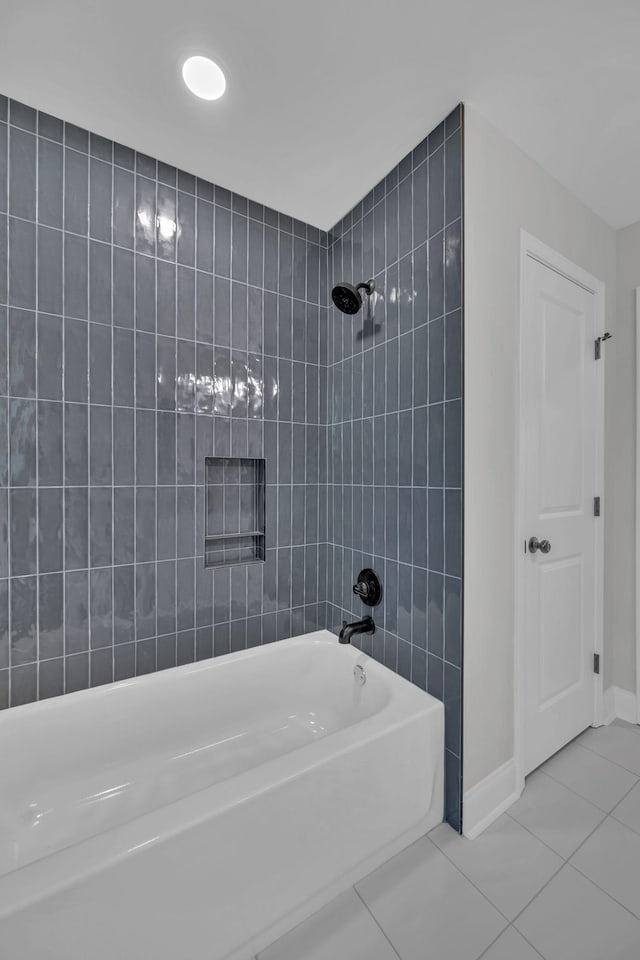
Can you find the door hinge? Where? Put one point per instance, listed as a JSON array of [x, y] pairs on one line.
[[599, 342], [596, 663], [596, 506]]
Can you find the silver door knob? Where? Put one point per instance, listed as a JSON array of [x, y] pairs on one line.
[[542, 545]]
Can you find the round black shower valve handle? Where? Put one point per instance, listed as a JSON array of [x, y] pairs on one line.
[[368, 587]]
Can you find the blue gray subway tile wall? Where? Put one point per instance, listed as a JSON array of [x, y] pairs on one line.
[[150, 320], [395, 421]]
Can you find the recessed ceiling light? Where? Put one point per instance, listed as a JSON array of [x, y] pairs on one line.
[[204, 78]]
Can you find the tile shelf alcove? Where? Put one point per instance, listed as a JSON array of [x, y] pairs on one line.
[[235, 511]]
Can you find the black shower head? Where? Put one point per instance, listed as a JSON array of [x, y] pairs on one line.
[[347, 298]]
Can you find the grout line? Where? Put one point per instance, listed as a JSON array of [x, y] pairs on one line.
[[63, 394], [526, 940], [603, 757], [373, 917], [469, 879], [582, 797], [606, 893], [542, 772], [544, 842], [113, 428], [612, 812], [502, 932], [37, 436], [565, 862], [89, 434]]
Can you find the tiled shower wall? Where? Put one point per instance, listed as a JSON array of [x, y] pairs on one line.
[[395, 425], [152, 320], [147, 320]]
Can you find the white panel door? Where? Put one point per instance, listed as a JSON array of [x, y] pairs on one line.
[[559, 437]]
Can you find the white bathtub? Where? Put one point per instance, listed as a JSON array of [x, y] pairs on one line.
[[201, 812]]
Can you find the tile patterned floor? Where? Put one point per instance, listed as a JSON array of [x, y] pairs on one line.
[[557, 876]]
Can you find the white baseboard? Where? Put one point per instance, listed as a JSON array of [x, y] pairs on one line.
[[619, 703], [484, 803], [608, 706]]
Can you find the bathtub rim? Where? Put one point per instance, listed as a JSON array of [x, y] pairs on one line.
[[159, 677]]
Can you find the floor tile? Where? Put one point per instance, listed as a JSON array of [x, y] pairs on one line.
[[611, 858], [506, 863], [572, 920], [619, 744], [420, 899], [344, 928], [628, 810], [626, 725], [554, 814], [595, 778], [510, 945]]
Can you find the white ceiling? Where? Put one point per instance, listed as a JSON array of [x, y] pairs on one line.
[[324, 97]]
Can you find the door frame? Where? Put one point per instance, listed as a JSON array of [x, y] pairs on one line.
[[532, 247], [637, 478]]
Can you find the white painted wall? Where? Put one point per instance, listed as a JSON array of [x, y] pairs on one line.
[[504, 192], [621, 583]]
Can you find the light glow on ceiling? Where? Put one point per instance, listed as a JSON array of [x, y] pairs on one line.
[[204, 78]]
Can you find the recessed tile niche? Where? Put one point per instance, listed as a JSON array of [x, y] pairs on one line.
[[234, 511]]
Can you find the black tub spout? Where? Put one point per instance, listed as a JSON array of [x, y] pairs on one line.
[[360, 626]]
